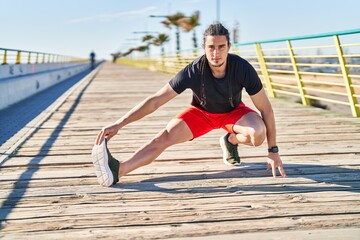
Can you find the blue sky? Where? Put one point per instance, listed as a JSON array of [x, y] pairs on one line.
[[75, 27]]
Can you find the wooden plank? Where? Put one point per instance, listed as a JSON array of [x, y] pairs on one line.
[[146, 228], [48, 187], [136, 197], [310, 234], [212, 162], [192, 169]]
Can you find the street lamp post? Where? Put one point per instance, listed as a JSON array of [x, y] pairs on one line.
[[218, 10]]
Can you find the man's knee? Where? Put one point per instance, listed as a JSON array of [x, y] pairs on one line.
[[175, 132], [163, 139], [258, 135]]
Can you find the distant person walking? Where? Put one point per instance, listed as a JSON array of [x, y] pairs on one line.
[[92, 59], [216, 79]]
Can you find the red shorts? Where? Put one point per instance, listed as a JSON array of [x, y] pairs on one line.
[[201, 122]]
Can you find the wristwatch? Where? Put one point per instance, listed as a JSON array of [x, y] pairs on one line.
[[273, 149]]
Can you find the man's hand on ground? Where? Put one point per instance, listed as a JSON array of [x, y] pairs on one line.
[[273, 162]]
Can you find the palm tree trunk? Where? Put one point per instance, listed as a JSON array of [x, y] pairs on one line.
[[163, 69], [194, 39], [195, 43], [177, 39]]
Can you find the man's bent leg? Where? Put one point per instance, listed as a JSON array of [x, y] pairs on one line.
[[250, 129], [175, 132]]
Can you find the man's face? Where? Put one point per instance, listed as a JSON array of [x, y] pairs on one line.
[[216, 50]]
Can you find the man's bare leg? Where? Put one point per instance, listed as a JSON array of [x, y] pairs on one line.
[[175, 132], [250, 130]]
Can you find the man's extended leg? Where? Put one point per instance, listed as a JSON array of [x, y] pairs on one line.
[[108, 169], [175, 132]]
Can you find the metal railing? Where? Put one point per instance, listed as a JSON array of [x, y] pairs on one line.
[[16, 56], [323, 67]]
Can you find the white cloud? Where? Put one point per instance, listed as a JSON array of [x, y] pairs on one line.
[[113, 16]]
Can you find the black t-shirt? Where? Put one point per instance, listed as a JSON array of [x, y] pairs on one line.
[[239, 74]]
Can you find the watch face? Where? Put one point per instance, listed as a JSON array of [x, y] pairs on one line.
[[274, 149]]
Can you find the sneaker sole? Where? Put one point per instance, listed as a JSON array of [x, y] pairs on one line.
[[100, 160], [223, 148]]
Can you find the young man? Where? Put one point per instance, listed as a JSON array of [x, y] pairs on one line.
[[216, 79]]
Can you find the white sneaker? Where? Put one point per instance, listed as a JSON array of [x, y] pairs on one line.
[[106, 167]]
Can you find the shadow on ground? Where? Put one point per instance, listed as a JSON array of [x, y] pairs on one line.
[[16, 195], [16, 116], [323, 178]]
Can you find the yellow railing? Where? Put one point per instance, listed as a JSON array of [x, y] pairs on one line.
[[324, 67], [15, 56]]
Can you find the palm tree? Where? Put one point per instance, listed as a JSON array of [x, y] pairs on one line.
[[172, 20], [147, 39], [116, 56], [128, 52], [190, 23], [142, 48], [160, 40]]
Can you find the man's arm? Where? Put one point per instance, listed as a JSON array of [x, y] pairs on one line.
[[147, 106], [262, 103]]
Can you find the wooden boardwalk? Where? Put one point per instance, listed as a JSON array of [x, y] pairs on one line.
[[48, 188]]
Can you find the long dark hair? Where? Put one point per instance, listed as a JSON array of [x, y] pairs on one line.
[[216, 29]]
